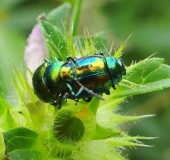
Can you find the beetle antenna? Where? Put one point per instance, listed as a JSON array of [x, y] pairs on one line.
[[89, 91]]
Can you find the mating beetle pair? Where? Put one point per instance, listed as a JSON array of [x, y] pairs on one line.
[[77, 79]]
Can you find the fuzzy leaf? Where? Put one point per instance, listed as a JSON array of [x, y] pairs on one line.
[[118, 53], [55, 40], [17, 133], [59, 15], [148, 71], [7, 116], [26, 154], [98, 150], [20, 144], [23, 86], [30, 100], [146, 76], [2, 147], [102, 133]]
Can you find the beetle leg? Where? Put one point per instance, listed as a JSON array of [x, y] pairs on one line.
[[47, 60], [88, 91], [73, 60], [88, 99], [70, 89], [77, 100], [57, 102], [66, 95], [107, 92], [57, 59], [54, 103], [113, 86], [100, 53], [60, 100], [79, 91]]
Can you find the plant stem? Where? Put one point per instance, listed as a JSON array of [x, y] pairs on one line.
[[73, 26]]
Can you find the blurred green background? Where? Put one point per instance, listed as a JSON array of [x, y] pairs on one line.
[[149, 21]]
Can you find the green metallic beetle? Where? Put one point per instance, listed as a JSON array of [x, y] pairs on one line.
[[77, 79]]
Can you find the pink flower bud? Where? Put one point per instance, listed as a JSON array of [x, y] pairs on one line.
[[36, 50]]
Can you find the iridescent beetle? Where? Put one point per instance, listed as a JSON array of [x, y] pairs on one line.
[[77, 79]]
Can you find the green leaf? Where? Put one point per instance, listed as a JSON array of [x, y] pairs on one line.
[[2, 146], [148, 71], [19, 133], [21, 84], [26, 154], [124, 141], [98, 150], [55, 40], [118, 53], [146, 76], [7, 116], [20, 143], [102, 133], [58, 16]]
